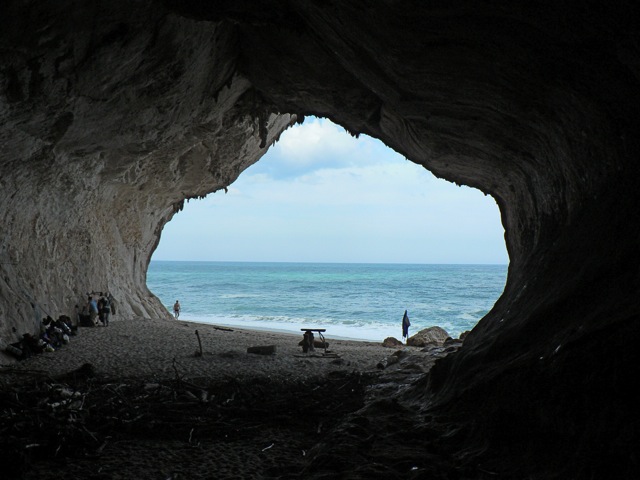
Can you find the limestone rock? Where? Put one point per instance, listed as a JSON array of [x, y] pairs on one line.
[[453, 342], [432, 335], [391, 342], [113, 114], [392, 359]]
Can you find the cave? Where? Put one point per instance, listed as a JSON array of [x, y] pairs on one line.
[[113, 114]]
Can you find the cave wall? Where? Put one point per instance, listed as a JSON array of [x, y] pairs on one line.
[[111, 117], [114, 113]]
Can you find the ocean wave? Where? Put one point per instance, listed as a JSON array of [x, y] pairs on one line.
[[367, 307], [240, 295], [292, 325]]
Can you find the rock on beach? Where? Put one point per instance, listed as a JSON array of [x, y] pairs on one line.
[[432, 335]]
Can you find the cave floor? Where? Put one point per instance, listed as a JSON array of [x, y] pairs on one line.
[[339, 425]]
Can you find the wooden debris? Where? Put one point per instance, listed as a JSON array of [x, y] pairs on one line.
[[224, 329], [315, 355], [199, 354], [262, 349]]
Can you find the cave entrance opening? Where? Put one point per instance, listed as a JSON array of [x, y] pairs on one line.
[[334, 230]]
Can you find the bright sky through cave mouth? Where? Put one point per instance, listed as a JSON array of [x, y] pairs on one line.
[[321, 195]]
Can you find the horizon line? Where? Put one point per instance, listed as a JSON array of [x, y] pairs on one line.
[[331, 262]]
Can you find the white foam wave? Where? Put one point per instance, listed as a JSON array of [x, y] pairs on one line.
[[239, 295], [370, 332]]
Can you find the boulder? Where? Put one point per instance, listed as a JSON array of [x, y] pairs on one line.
[[395, 357], [456, 342], [391, 342], [432, 335]]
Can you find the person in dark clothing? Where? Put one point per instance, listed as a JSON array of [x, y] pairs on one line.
[[84, 319], [93, 310], [30, 345], [101, 310], [112, 303], [106, 311], [405, 326]]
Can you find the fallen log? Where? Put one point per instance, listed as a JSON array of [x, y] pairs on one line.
[[262, 349], [316, 355], [224, 329], [198, 353]]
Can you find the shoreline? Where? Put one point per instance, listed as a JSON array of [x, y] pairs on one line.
[[362, 301], [280, 331]]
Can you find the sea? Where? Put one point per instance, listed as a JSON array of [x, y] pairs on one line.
[[351, 301]]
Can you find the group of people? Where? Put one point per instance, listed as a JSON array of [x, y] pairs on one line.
[[53, 335], [98, 310]]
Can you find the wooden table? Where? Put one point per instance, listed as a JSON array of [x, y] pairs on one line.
[[319, 330]]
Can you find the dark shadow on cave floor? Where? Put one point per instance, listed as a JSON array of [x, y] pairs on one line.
[[343, 425]]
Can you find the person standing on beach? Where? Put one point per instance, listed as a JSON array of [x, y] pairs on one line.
[[405, 326], [176, 309], [106, 311], [93, 310], [112, 303]]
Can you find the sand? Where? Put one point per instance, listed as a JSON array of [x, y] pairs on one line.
[[150, 406], [161, 348]]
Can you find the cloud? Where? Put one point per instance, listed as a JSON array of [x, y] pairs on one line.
[[325, 196], [317, 144]]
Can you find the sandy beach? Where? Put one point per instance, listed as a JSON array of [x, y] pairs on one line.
[[161, 348], [135, 398]]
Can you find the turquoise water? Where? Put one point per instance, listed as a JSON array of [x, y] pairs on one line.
[[359, 301]]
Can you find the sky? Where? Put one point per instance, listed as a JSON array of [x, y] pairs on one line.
[[321, 195]]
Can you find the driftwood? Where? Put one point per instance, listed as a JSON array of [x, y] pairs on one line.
[[318, 355], [224, 329], [199, 354], [262, 349]]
